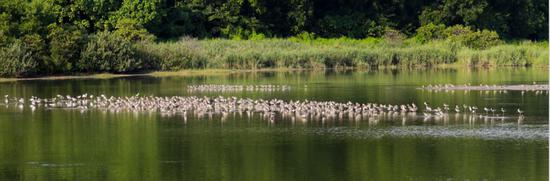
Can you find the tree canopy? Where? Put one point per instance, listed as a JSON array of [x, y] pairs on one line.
[[513, 19]]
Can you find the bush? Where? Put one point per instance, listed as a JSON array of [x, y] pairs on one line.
[[457, 31], [482, 39], [430, 32], [256, 36], [18, 60], [472, 39], [4, 39], [393, 37], [36, 46], [66, 43], [304, 36], [108, 52]]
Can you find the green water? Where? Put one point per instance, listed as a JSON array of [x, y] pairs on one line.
[[60, 144]]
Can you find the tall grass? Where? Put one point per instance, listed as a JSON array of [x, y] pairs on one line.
[[288, 53], [522, 54], [172, 56], [107, 53]]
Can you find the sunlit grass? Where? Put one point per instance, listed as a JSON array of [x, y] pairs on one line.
[[331, 53]]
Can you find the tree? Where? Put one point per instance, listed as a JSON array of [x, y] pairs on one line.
[[66, 43], [131, 30]]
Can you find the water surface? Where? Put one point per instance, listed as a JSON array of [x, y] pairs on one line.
[[58, 144]]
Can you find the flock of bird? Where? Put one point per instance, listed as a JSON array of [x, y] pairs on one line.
[[236, 88], [201, 106], [465, 108]]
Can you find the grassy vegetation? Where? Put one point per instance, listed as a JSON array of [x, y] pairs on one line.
[[109, 52], [522, 54], [333, 53]]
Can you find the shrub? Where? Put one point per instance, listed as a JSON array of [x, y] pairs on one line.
[[473, 39], [456, 31], [305, 36], [393, 37], [256, 36], [36, 46], [108, 52], [4, 39], [482, 39], [430, 32], [18, 60], [66, 43]]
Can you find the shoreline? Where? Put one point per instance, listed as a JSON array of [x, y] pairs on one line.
[[190, 72], [208, 72]]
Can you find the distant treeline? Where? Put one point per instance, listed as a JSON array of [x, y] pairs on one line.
[[167, 19], [44, 37]]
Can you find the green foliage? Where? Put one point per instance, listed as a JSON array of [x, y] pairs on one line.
[[457, 31], [66, 42], [35, 45], [184, 54], [54, 33], [512, 19], [430, 32], [277, 53], [142, 12], [18, 60], [4, 39], [393, 37], [524, 54], [482, 39], [473, 39], [108, 52], [304, 36], [454, 12], [169, 19], [91, 16], [132, 31], [356, 25], [180, 20], [256, 36], [330, 53]]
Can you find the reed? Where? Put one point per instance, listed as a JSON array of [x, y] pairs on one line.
[[288, 53], [522, 54]]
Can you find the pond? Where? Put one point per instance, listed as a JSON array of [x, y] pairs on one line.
[[69, 144]]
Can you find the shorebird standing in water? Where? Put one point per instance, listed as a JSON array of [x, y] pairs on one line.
[[428, 108]]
